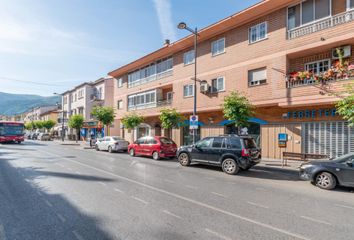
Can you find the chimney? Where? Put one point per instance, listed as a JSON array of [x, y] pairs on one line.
[[167, 42]]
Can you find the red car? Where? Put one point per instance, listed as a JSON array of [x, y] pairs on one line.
[[157, 147]]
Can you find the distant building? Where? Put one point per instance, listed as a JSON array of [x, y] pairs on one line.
[[35, 113]]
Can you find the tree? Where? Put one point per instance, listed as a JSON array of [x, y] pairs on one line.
[[105, 115], [49, 124], [132, 120], [29, 126], [76, 122], [170, 118], [237, 108], [38, 124], [345, 107]]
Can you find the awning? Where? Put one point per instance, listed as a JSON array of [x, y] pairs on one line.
[[252, 120]]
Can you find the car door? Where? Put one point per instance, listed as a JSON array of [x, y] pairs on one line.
[[347, 171], [200, 150], [105, 143], [215, 151], [150, 145], [138, 145]]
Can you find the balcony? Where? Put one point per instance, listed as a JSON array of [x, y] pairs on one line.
[[151, 78], [322, 24], [157, 104]]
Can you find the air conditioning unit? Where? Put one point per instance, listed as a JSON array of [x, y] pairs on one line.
[[204, 87], [346, 51]]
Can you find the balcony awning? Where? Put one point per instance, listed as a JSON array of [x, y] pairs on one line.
[[252, 120]]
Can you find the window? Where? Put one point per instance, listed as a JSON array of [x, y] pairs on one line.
[[141, 140], [65, 100], [217, 85], [75, 97], [151, 140], [81, 93], [204, 143], [142, 99], [188, 90], [99, 96], [318, 67], [257, 76], [217, 142], [120, 104], [350, 4], [218, 47], [258, 32], [188, 57], [120, 82], [235, 143], [308, 11], [169, 96]]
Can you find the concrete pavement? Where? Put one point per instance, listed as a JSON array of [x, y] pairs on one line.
[[67, 192]]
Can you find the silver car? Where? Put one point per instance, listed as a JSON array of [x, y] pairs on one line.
[[112, 144]]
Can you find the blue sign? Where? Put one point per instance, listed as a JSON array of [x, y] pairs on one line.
[[193, 122], [283, 137]]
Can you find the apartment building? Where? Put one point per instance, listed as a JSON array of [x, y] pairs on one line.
[[36, 113], [283, 55], [81, 100]]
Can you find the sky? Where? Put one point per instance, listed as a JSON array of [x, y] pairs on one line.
[[49, 46]]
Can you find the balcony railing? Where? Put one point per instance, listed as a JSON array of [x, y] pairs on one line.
[[150, 105], [151, 78], [319, 25], [295, 82]]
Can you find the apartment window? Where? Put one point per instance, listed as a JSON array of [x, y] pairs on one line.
[[188, 90], [218, 47], [308, 11], [217, 84], [350, 4], [142, 99], [75, 97], [65, 100], [188, 57], [257, 76], [120, 104], [81, 93], [258, 32], [318, 66], [169, 96], [99, 96], [120, 82]]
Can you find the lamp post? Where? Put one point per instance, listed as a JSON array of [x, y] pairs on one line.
[[183, 25], [62, 118]]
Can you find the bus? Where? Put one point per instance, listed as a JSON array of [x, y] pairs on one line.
[[11, 132]]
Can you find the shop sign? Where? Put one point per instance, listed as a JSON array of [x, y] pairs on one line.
[[301, 114], [193, 122], [90, 124]]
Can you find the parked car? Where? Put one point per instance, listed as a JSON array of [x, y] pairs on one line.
[[44, 137], [328, 174], [230, 152], [111, 144], [157, 147], [33, 136]]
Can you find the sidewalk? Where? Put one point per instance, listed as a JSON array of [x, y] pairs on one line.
[[291, 168], [83, 144]]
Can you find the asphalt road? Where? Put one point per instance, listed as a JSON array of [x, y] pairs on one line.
[[51, 191]]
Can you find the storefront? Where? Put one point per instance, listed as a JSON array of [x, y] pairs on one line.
[[92, 128]]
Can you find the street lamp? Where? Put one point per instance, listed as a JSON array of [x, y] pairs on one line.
[[183, 25], [62, 118]]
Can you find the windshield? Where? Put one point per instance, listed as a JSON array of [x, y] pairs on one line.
[[344, 158], [11, 129], [166, 141], [249, 143], [117, 138]]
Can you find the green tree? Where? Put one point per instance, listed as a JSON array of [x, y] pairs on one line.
[[105, 115], [76, 122], [345, 107], [49, 124], [29, 126], [38, 124], [170, 118], [237, 108], [132, 120]]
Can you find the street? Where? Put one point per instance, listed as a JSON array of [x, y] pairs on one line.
[[51, 191]]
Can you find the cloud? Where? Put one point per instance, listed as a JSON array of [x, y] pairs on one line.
[[164, 13]]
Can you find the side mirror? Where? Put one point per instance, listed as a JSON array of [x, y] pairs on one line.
[[350, 162]]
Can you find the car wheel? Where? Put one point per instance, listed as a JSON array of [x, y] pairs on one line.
[[96, 147], [110, 149], [326, 181], [155, 156], [184, 159], [132, 152], [230, 166]]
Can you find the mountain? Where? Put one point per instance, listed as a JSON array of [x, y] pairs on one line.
[[11, 104]]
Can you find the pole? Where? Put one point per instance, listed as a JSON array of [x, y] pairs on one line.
[[62, 126], [195, 80]]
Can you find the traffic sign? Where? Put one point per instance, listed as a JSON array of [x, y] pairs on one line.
[[193, 122]]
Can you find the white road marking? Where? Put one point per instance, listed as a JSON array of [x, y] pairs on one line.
[[48, 203], [103, 184], [61, 217], [225, 212], [78, 236], [133, 163], [218, 194], [171, 214], [258, 205], [217, 234], [118, 190], [140, 200], [344, 206], [315, 220], [2, 233]]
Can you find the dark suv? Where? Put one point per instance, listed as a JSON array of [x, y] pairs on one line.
[[231, 152]]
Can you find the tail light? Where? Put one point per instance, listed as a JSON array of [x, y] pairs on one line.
[[116, 143], [245, 152]]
